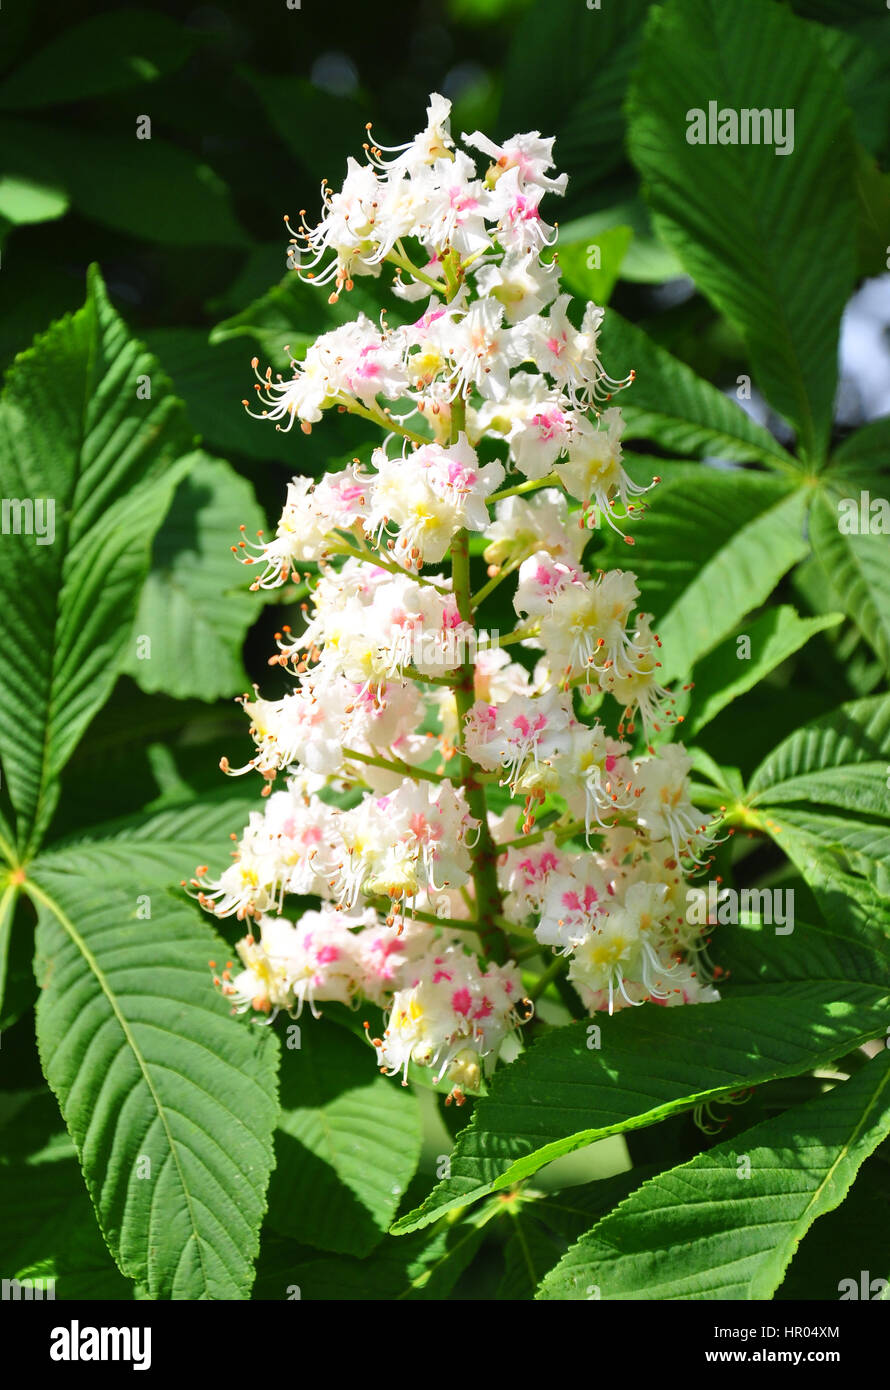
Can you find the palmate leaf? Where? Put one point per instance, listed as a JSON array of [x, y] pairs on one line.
[[196, 605], [707, 554], [171, 1104], [723, 675], [764, 235], [671, 404], [840, 759], [563, 1094], [865, 845], [567, 69], [164, 846], [705, 1230], [859, 566], [845, 1243], [544, 1225], [347, 1145], [72, 430]]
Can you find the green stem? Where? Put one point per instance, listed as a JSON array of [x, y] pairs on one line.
[[8, 852], [483, 854], [404, 262], [520, 634], [393, 765], [547, 976], [513, 928], [561, 832], [551, 480], [452, 923], [410, 674], [386, 422], [503, 573], [371, 557]]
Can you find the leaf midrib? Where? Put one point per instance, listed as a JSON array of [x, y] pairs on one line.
[[35, 891]]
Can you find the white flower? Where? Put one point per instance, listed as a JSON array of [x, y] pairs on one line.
[[521, 282], [595, 777], [530, 154], [430, 494], [350, 227], [453, 206], [520, 227], [305, 532], [355, 362], [521, 738], [575, 898], [664, 809], [638, 689], [583, 626], [434, 142], [525, 875], [416, 839], [482, 351], [593, 471], [565, 353], [453, 1018], [542, 578], [537, 523], [289, 965]]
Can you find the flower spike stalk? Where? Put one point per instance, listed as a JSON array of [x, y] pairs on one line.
[[494, 410]]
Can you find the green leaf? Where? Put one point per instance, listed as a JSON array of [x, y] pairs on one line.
[[864, 846], [808, 998], [170, 1102], [866, 449], [646, 260], [872, 216], [705, 555], [732, 1236], [73, 430], [164, 847], [724, 675], [816, 1272], [47, 1227], [347, 1146], [8, 898], [849, 903], [669, 403], [859, 566], [765, 235], [594, 282], [817, 762], [543, 1227], [149, 189], [25, 200], [295, 105], [567, 69], [213, 382], [862, 57], [196, 604], [423, 1267], [109, 52], [291, 314]]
